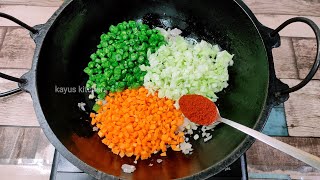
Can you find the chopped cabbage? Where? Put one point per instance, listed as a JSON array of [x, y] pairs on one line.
[[182, 67]]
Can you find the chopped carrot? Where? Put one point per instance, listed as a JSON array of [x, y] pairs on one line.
[[100, 134], [134, 123], [163, 154], [99, 103], [92, 115], [175, 148]]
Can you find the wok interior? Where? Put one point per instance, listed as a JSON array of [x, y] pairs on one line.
[[74, 36]]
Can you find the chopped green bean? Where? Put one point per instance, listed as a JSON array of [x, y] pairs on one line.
[[115, 65]]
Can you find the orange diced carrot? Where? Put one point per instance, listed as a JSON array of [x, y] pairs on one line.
[[163, 154], [134, 124], [92, 115]]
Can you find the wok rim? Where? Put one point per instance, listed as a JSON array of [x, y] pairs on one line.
[[211, 171]]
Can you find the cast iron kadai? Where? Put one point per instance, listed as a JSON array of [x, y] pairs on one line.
[[65, 42]]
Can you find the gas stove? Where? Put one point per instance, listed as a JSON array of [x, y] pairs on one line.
[[62, 169]]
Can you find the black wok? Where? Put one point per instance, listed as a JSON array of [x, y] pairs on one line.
[[65, 42]]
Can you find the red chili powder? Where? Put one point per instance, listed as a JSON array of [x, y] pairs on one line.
[[198, 109]]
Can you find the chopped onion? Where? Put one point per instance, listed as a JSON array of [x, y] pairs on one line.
[[81, 106], [91, 96], [196, 136], [95, 128], [186, 148], [207, 138], [181, 67], [128, 168]]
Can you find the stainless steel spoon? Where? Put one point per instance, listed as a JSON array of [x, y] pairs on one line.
[[303, 156]]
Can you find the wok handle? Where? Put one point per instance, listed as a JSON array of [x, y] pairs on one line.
[[5, 76], [7, 16], [316, 64], [14, 79]]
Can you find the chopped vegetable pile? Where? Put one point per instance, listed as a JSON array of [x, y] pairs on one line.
[[133, 123], [139, 75], [181, 68], [115, 65]]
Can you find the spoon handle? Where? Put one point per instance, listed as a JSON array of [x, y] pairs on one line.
[[310, 159]]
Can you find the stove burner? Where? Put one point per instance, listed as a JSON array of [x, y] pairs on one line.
[[62, 169]]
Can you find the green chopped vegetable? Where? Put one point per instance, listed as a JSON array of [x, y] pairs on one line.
[[181, 68], [120, 53], [96, 107]]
